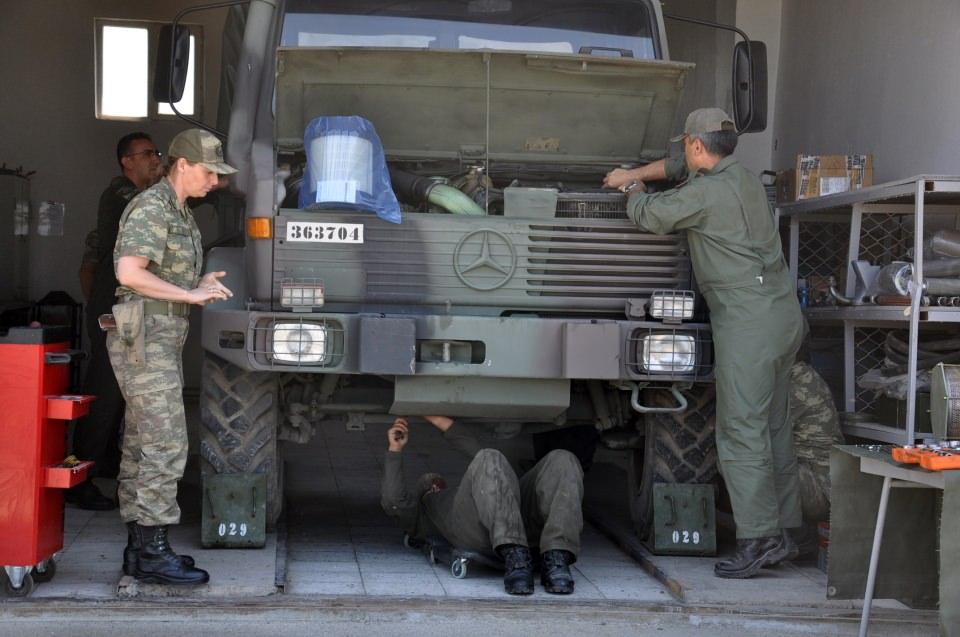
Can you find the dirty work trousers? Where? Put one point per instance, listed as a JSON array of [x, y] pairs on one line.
[[491, 507], [756, 335], [154, 451]]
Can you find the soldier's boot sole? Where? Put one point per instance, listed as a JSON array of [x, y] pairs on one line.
[[130, 556], [192, 577]]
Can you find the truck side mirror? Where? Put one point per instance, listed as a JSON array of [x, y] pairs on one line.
[[750, 86], [173, 58]]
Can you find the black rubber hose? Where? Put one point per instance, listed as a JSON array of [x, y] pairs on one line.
[[410, 188]]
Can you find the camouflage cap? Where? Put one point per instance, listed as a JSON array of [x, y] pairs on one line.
[[706, 120], [201, 147]]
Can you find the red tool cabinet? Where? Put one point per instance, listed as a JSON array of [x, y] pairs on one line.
[[34, 376]]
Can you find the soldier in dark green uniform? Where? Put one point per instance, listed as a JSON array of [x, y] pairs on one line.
[[158, 258], [96, 436], [757, 325], [491, 510]]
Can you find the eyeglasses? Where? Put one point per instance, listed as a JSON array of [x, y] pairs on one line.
[[146, 153]]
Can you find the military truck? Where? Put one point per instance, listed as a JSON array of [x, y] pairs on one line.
[[514, 292]]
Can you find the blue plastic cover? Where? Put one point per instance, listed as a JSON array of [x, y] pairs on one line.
[[346, 168]]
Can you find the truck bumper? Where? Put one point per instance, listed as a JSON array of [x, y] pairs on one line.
[[461, 346]]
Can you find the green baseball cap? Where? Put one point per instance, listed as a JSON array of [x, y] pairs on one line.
[[201, 147], [706, 120]]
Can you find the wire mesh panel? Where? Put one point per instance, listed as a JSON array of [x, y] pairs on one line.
[[885, 237], [870, 354], [823, 250]]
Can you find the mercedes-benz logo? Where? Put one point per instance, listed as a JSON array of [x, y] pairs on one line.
[[474, 258]]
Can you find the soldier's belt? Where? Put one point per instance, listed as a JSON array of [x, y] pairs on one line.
[[165, 308]]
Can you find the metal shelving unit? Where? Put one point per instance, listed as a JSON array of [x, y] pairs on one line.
[[879, 224]]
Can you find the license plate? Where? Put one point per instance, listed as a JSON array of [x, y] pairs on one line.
[[325, 232]]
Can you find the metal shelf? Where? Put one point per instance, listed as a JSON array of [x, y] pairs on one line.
[[874, 431], [879, 224], [882, 314]]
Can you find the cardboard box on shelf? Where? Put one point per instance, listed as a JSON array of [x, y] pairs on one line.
[[819, 175]]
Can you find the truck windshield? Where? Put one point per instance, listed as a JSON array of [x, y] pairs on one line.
[[623, 28]]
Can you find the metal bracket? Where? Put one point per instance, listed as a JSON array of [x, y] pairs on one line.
[[643, 409], [865, 286]]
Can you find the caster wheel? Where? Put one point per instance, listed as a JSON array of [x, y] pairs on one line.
[[406, 541], [432, 557], [25, 588], [44, 571], [459, 568]]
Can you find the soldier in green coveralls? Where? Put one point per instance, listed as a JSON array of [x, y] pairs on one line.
[[757, 325], [158, 258]]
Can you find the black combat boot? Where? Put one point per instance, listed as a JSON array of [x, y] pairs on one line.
[[752, 555], [158, 564], [132, 549], [518, 578], [555, 572]]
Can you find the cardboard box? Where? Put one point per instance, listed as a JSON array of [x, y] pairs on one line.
[[819, 175]]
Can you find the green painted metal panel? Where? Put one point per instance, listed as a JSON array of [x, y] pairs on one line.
[[684, 519], [234, 511]]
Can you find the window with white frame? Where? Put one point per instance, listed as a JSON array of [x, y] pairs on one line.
[[126, 52]]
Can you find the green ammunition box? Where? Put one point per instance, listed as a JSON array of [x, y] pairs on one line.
[[684, 519], [234, 510]]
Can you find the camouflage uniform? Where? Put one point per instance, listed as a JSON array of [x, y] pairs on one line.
[[95, 437], [816, 428], [155, 226], [491, 507]]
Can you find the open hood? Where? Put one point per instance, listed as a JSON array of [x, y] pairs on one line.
[[428, 104]]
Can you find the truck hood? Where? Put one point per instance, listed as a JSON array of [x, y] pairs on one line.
[[429, 104]]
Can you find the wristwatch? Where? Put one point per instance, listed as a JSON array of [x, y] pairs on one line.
[[629, 187]]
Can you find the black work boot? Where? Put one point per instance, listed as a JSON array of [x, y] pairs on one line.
[[752, 555], [132, 549], [793, 551], [555, 572], [158, 564], [518, 578]]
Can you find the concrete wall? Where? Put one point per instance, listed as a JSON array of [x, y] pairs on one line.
[[48, 122], [875, 76]]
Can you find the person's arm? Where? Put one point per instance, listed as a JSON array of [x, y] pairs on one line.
[[394, 497], [132, 273], [458, 436], [148, 242], [668, 211], [672, 168]]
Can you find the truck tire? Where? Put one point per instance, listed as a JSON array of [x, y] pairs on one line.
[[238, 410], [677, 448]]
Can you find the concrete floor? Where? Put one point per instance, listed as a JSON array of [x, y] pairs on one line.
[[345, 559]]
